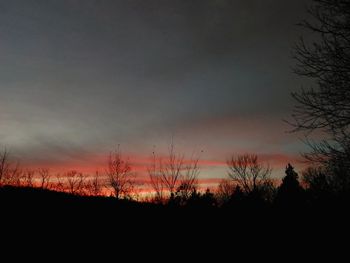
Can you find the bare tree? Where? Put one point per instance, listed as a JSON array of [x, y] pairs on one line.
[[4, 165], [173, 174], [59, 183], [9, 172], [15, 176], [119, 175], [44, 178], [28, 178], [246, 171], [225, 190], [75, 182], [156, 180], [326, 61], [94, 185], [189, 179], [170, 170]]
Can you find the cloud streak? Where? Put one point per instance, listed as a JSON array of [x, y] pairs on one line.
[[79, 77]]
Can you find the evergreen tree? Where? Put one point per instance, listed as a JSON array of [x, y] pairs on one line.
[[290, 193]]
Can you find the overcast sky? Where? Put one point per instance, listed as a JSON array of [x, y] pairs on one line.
[[79, 77]]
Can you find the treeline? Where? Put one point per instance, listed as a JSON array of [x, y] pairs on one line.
[[73, 182], [173, 181]]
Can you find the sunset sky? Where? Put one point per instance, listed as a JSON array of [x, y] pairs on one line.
[[79, 77]]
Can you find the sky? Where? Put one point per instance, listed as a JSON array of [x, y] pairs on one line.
[[80, 77]]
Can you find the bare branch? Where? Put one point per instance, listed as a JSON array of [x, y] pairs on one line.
[[326, 107], [44, 178], [247, 172], [119, 175], [173, 175]]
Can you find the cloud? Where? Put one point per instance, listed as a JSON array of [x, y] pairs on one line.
[[79, 77]]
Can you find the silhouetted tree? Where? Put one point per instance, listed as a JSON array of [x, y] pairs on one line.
[[328, 182], [59, 184], [184, 192], [316, 178], [28, 178], [44, 178], [4, 166], [156, 180], [14, 177], [237, 196], [9, 171], [188, 180], [199, 200], [339, 173], [173, 174], [119, 175], [267, 191], [290, 193], [75, 182], [246, 171], [318, 184], [237, 200], [208, 199], [94, 186], [326, 60], [225, 191]]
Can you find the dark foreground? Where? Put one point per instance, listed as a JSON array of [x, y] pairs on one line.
[[30, 204], [37, 217]]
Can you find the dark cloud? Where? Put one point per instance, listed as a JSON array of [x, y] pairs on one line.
[[92, 73]]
